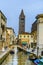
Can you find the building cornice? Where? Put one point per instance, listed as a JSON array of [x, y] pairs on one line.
[[3, 14], [39, 16]]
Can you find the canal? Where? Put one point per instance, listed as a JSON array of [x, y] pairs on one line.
[[19, 58]]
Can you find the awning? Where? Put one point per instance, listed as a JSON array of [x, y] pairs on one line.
[[24, 43]]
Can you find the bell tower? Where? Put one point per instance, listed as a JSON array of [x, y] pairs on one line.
[[21, 22]]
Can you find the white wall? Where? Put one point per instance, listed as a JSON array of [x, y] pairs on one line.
[[40, 34]]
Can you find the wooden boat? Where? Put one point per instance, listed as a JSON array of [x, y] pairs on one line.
[[32, 57], [41, 62]]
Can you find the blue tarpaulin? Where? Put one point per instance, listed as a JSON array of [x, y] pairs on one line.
[[36, 61]]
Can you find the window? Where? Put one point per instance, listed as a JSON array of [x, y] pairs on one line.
[[0, 37], [24, 36], [20, 36], [10, 31], [42, 53], [22, 18], [31, 36], [23, 25], [1, 25], [28, 36], [35, 44], [31, 45]]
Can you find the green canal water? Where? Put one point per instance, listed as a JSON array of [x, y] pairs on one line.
[[19, 58]]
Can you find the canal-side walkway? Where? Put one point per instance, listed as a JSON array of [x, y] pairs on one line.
[[3, 55], [5, 51]]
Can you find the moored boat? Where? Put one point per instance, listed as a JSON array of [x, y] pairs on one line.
[[32, 57], [41, 62], [36, 62]]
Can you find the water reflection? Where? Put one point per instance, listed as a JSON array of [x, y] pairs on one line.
[[19, 58]]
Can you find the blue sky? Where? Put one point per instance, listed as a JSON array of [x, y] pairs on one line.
[[12, 9]]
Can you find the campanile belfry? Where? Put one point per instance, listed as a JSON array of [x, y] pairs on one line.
[[21, 22]]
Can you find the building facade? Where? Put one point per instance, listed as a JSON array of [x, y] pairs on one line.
[[34, 34], [37, 33], [40, 34], [21, 22], [3, 21], [25, 39], [10, 36], [7, 34]]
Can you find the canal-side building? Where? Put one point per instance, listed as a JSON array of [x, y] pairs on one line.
[[37, 33], [40, 34], [22, 22], [7, 38], [25, 39], [10, 35], [3, 21], [34, 34]]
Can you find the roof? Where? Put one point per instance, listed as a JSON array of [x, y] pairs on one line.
[[25, 33], [34, 26], [39, 16], [22, 13], [3, 14], [10, 28]]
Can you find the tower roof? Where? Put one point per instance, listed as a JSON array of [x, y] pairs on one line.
[[22, 13]]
